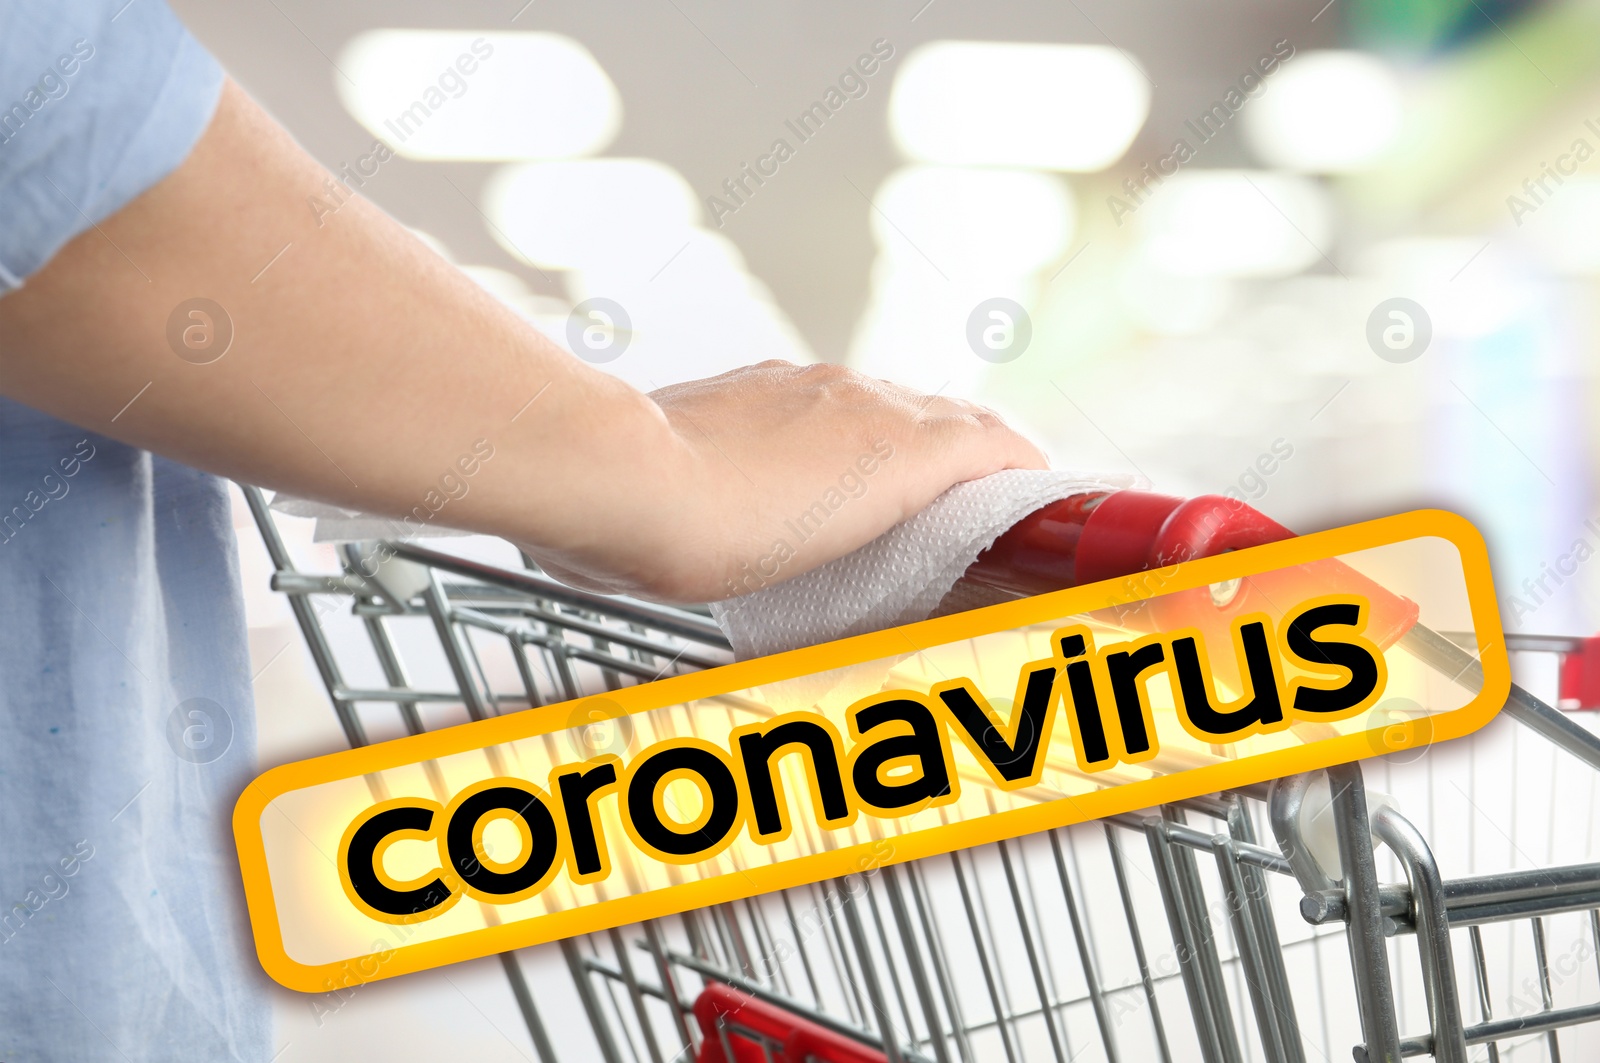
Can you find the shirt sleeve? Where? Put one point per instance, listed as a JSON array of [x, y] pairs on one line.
[[99, 100]]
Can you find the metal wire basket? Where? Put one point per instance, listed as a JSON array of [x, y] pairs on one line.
[[1196, 931]]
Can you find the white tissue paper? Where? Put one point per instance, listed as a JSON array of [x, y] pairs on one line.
[[905, 575], [908, 573]]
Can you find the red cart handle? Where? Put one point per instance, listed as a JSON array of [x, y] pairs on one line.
[[1092, 537], [1088, 538]]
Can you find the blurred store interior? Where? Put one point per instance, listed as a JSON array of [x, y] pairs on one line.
[[1198, 245], [1338, 256]]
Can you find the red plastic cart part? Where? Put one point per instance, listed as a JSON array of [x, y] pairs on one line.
[[1578, 686], [1111, 535], [759, 1032]]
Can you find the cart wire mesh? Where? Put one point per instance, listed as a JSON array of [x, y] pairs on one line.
[[1196, 931]]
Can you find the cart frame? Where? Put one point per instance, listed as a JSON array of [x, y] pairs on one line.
[[889, 951]]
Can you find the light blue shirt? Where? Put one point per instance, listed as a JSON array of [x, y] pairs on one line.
[[126, 723]]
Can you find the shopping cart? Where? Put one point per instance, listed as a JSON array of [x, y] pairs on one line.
[[1158, 935]]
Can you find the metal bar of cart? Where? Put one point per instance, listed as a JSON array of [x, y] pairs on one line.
[[1139, 952]]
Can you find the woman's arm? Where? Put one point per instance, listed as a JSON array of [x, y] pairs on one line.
[[363, 367]]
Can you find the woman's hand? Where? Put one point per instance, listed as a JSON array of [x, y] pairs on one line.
[[775, 468]]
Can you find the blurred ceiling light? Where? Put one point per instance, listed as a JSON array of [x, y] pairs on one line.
[[696, 316], [1043, 106], [1564, 230], [1326, 112], [698, 259], [585, 214], [914, 331], [973, 222], [1235, 223], [1172, 305], [1468, 287], [465, 94]]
